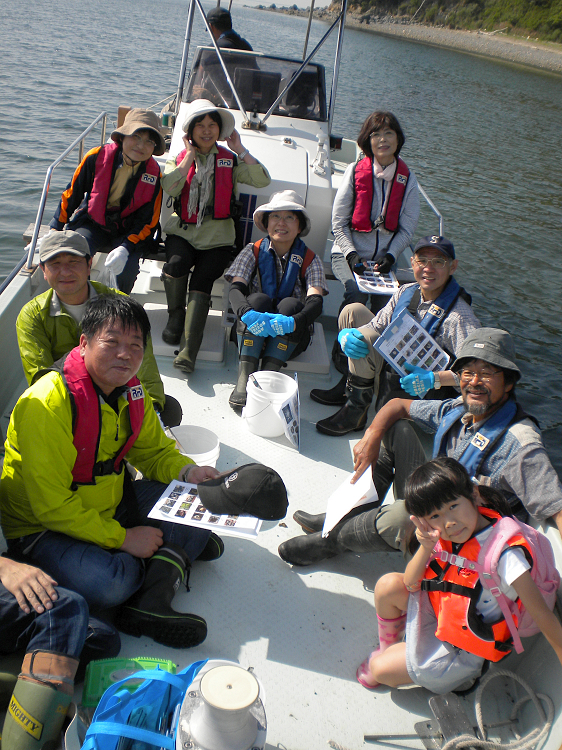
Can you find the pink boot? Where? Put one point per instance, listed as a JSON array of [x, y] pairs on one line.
[[390, 631]]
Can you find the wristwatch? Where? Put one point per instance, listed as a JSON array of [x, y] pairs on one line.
[[436, 382]]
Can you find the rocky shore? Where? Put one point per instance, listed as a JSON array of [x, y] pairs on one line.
[[544, 55]]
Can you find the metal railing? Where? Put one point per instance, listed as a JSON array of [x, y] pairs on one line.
[[434, 208], [40, 211]]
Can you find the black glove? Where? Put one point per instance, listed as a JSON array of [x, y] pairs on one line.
[[352, 260], [384, 265]]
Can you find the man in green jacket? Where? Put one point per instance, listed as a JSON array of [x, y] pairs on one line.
[[66, 501], [48, 326]]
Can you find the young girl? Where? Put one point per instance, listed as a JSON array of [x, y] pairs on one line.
[[447, 642]]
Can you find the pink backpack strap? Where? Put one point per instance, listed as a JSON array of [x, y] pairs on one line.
[[504, 529]]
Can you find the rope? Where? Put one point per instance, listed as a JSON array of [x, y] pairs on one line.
[[530, 740]]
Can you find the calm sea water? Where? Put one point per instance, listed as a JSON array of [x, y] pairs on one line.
[[482, 136]]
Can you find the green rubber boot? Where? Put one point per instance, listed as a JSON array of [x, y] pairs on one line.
[[39, 702], [176, 292], [198, 304]]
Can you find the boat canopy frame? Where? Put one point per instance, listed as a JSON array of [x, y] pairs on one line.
[[247, 122]]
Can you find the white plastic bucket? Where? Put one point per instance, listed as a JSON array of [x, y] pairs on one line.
[[200, 444], [262, 404]]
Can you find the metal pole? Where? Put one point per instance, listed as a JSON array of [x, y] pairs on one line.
[[300, 70], [307, 29], [337, 65], [184, 56]]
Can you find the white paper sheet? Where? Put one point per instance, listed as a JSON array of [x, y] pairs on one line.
[[347, 497]]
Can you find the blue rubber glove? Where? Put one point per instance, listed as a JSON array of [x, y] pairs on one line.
[[352, 343], [255, 322], [419, 382], [279, 325]]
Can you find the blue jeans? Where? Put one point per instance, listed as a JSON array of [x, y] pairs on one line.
[[107, 578]]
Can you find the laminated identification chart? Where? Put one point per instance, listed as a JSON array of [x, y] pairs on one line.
[[180, 503], [373, 282], [406, 341]]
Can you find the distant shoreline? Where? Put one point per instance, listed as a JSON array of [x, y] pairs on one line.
[[546, 56]]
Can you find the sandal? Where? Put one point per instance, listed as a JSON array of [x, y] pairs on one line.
[[364, 673]]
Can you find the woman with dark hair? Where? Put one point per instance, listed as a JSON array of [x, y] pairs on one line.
[[200, 234], [376, 208], [276, 290]]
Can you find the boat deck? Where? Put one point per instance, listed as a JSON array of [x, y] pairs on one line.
[[305, 630]]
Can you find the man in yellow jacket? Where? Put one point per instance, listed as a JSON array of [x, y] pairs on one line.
[[65, 500], [48, 326]]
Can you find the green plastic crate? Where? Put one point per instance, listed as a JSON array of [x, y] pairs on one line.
[[103, 673]]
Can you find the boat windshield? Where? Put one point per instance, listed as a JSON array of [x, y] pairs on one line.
[[258, 79]]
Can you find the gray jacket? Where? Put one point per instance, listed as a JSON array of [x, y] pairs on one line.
[[373, 245]]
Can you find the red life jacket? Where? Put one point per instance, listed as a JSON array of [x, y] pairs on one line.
[[147, 184], [364, 189], [86, 420], [224, 185], [454, 592]]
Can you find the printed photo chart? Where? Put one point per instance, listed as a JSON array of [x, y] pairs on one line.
[[180, 503], [290, 416], [406, 341], [373, 282]]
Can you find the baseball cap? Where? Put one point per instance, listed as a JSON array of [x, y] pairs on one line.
[[439, 243], [66, 241], [251, 490]]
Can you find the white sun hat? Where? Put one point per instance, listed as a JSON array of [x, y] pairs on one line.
[[286, 200], [204, 107]]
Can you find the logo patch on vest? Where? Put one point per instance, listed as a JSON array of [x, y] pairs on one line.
[[26, 721], [479, 441], [437, 311], [150, 178], [402, 179], [296, 259], [225, 163], [136, 392]]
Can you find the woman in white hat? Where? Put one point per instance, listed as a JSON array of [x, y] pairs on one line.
[[276, 290], [115, 196], [200, 234]]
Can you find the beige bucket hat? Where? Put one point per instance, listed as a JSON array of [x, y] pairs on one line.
[[286, 200], [204, 107], [141, 119]]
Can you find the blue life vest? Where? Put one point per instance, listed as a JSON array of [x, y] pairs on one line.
[[268, 271], [483, 441], [438, 311]]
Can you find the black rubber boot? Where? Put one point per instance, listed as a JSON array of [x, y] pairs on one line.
[[357, 533], [246, 366], [198, 305], [334, 396], [307, 550], [339, 359], [277, 352], [176, 291], [353, 414], [308, 523], [213, 549], [149, 611]]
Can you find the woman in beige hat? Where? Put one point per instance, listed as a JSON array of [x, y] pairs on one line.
[[200, 234], [114, 198], [276, 290]]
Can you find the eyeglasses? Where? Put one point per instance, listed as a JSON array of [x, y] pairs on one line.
[[290, 219], [144, 142], [486, 376], [435, 262], [377, 135]]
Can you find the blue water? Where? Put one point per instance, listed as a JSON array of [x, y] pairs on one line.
[[482, 136]]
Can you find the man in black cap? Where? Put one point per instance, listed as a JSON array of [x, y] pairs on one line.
[[437, 303], [485, 429], [220, 21]]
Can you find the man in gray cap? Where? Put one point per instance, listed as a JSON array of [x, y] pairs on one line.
[[48, 326], [114, 197], [485, 429], [220, 21]]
